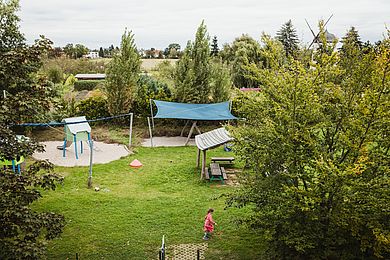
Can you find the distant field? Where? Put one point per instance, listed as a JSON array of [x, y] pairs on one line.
[[149, 64]]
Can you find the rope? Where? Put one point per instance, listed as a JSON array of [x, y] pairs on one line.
[[71, 123]]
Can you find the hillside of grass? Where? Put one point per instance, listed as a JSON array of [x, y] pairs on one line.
[[134, 208]]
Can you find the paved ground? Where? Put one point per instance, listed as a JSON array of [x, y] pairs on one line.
[[167, 141], [186, 251], [102, 153]]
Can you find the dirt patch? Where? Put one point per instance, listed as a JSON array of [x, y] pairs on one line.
[[102, 153]]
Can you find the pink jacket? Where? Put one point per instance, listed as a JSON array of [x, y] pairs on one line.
[[208, 223]]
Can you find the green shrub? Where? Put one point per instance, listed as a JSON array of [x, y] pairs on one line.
[[55, 74], [87, 84], [149, 88], [70, 80], [93, 107]]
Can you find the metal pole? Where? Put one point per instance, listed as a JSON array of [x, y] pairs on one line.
[[151, 111], [5, 96], [131, 128], [90, 164], [150, 133]]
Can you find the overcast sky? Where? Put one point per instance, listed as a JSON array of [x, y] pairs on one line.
[[96, 23]]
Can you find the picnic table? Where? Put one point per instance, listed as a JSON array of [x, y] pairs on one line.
[[216, 173]]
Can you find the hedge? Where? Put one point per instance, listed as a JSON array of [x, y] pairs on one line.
[[87, 84]]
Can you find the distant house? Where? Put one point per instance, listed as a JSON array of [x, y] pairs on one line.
[[92, 55], [90, 76]]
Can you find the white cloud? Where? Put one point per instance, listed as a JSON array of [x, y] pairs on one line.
[[98, 23]]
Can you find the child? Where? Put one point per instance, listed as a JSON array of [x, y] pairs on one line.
[[208, 224]]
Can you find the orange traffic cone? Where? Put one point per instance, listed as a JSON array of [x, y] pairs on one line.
[[135, 164]]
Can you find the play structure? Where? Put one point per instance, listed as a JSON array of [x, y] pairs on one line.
[[189, 112], [208, 141], [76, 130]]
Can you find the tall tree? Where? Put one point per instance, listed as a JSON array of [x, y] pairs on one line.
[[69, 50], [101, 52], [318, 149], [287, 35], [23, 231], [214, 47], [193, 71], [242, 52], [122, 76]]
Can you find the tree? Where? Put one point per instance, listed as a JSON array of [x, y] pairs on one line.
[[69, 50], [221, 82], [101, 52], [23, 231], [242, 52], [193, 71], [214, 47], [287, 35], [172, 51], [80, 50], [316, 143], [122, 76]]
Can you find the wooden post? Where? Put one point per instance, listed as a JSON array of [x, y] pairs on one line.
[[182, 131], [203, 173], [198, 159], [131, 129], [189, 135], [90, 164], [150, 133]]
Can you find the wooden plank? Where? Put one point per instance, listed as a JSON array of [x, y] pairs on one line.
[[207, 176], [215, 169], [222, 159], [223, 173]]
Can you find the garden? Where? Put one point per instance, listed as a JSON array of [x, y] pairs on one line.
[[310, 142]]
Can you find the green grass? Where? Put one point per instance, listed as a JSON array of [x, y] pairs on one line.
[[134, 208]]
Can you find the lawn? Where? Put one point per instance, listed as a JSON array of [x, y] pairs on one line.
[[134, 208]]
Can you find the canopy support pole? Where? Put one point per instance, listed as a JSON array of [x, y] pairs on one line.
[[198, 159], [190, 134], [131, 129], [182, 131], [90, 164], [151, 111], [150, 133], [203, 173]]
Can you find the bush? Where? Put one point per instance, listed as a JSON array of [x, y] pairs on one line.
[[93, 107], [87, 84], [55, 74], [149, 88]]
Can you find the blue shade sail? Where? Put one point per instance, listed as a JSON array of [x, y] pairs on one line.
[[214, 111]]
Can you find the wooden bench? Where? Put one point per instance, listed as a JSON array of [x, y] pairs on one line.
[[223, 173], [222, 159], [216, 173]]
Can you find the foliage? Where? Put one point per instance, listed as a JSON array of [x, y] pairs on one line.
[[149, 88], [23, 232], [287, 35], [80, 85], [122, 76], [75, 51], [172, 51], [316, 143], [214, 47], [72, 66], [55, 74], [221, 82], [193, 70], [244, 51], [165, 72], [93, 107]]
